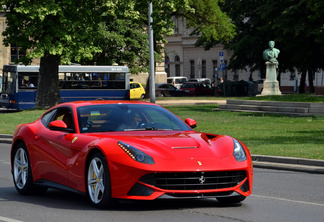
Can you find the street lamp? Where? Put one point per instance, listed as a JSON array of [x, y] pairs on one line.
[[151, 48]]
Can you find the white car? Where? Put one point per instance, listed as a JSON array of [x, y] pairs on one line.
[[177, 81], [204, 80]]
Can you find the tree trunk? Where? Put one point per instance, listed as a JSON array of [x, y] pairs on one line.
[[48, 93], [302, 82], [310, 80]]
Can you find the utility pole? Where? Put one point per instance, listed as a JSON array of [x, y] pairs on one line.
[[151, 48]]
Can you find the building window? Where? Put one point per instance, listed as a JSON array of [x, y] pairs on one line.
[[167, 66], [177, 65], [192, 69], [16, 53], [203, 69], [215, 68], [236, 75], [225, 71]]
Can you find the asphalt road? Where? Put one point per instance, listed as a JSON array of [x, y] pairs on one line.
[[277, 196]]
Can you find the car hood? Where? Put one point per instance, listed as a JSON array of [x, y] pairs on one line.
[[168, 144]]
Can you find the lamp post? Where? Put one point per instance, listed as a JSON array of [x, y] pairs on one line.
[[151, 48]]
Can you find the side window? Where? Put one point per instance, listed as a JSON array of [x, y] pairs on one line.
[[46, 119], [65, 115]]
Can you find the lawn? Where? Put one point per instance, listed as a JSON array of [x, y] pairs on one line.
[[263, 133]]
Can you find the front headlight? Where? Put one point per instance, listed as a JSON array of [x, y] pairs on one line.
[[136, 154], [239, 152]]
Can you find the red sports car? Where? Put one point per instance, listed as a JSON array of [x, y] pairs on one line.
[[127, 150]]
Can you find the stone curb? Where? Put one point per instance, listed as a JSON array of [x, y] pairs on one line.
[[288, 163], [5, 138], [260, 161]]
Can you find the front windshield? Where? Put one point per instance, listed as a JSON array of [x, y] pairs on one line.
[[127, 117]]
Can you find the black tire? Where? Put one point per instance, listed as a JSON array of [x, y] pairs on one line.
[[161, 94], [231, 200], [142, 96], [98, 181], [21, 170]]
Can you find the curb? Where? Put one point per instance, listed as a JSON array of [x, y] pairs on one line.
[[260, 161], [288, 163], [188, 102], [4, 138]]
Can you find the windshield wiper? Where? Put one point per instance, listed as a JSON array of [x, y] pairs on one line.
[[146, 128]]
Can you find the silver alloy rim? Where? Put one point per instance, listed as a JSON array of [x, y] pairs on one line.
[[21, 168], [96, 186]]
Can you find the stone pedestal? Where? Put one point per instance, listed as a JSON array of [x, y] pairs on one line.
[[271, 85]]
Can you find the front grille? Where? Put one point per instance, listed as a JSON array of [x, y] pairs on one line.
[[194, 180]]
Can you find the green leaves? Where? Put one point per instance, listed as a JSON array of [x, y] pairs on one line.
[[108, 31]]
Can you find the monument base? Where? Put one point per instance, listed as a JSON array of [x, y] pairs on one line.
[[271, 85]]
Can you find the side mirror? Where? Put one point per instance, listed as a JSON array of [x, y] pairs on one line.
[[59, 125], [191, 122]]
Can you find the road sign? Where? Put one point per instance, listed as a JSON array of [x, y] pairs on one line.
[[222, 66], [221, 57]]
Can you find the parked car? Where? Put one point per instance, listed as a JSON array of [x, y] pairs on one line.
[[166, 89], [136, 91], [177, 81], [108, 149], [204, 80], [199, 89]]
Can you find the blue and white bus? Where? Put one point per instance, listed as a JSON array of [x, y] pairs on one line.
[[76, 82]]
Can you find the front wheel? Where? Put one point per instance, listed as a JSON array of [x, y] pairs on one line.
[[22, 174], [98, 181]]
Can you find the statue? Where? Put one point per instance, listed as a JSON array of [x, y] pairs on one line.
[[271, 85], [271, 54]]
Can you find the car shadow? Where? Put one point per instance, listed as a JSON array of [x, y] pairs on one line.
[[59, 199]]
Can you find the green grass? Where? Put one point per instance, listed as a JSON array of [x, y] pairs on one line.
[[285, 97], [263, 134], [9, 121]]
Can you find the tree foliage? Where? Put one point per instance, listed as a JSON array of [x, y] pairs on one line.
[[295, 25], [55, 31], [104, 31]]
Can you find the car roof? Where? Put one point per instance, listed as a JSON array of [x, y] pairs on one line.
[[102, 102], [196, 83]]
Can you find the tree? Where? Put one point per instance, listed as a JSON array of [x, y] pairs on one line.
[[296, 27], [122, 36], [110, 31], [56, 32]]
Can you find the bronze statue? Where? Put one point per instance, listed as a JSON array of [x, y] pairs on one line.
[[271, 54]]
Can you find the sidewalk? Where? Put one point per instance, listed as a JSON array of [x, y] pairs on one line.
[[260, 161]]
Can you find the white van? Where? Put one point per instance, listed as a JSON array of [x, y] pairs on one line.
[[177, 81], [204, 80]]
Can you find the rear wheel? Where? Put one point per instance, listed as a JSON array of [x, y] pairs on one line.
[[98, 181], [231, 200], [22, 174]]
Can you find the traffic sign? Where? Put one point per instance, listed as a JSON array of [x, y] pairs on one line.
[[222, 66], [221, 53]]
